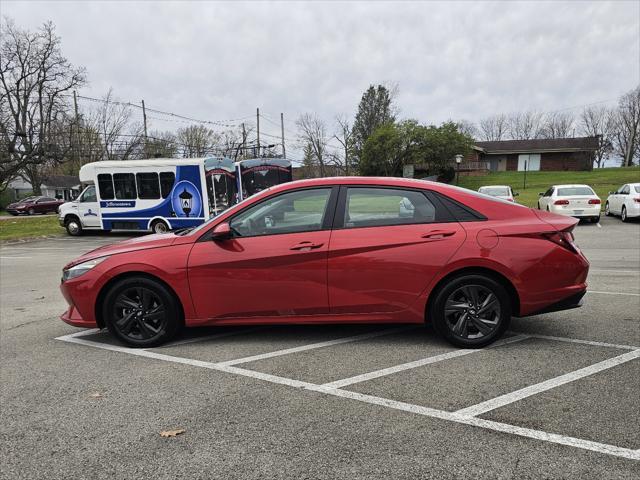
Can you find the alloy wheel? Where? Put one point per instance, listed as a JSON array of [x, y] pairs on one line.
[[139, 314], [472, 311]]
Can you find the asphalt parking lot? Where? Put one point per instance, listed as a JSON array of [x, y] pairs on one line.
[[556, 398]]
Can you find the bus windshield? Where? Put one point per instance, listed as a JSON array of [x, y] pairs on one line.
[[261, 173]]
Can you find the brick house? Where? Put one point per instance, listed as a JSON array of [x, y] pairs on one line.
[[559, 154]]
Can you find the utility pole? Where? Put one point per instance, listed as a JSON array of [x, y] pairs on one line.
[[144, 119], [258, 124], [244, 141], [77, 122], [284, 152]]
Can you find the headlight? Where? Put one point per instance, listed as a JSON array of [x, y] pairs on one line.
[[81, 268]]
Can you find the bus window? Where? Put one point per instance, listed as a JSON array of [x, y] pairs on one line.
[[166, 183], [105, 185], [148, 186], [125, 186]]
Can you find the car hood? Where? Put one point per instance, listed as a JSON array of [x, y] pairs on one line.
[[125, 246]]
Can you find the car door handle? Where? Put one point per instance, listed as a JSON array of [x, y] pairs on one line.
[[306, 246], [439, 234]]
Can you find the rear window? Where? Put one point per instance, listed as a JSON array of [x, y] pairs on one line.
[[495, 191], [571, 191], [637, 188]]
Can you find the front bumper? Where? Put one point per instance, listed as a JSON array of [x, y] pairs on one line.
[[72, 317]]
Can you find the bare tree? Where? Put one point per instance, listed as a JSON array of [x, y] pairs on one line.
[[493, 128], [558, 125], [599, 122], [121, 138], [524, 125], [468, 128], [626, 137], [344, 136], [36, 79], [161, 145], [197, 141], [313, 133]]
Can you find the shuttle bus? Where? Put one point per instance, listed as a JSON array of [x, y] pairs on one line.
[[159, 195]]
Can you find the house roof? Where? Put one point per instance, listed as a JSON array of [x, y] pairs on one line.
[[61, 181], [578, 144]]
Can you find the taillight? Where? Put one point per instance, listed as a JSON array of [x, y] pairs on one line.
[[637, 200], [594, 201], [561, 202], [565, 239]]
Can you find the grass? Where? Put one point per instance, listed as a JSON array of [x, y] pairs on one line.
[[30, 227], [602, 180]]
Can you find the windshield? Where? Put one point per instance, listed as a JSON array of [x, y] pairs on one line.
[[572, 191], [204, 225], [495, 191]]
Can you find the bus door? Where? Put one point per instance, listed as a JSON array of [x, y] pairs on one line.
[[88, 208]]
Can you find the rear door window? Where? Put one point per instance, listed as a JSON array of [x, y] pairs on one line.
[[378, 207], [167, 180]]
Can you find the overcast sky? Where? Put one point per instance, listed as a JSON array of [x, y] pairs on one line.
[[450, 60]]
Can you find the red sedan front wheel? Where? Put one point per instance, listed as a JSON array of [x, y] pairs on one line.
[[141, 312]]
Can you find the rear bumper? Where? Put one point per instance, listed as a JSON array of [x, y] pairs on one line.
[[573, 301], [592, 211]]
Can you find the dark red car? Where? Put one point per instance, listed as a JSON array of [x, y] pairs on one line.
[[33, 205], [336, 250]]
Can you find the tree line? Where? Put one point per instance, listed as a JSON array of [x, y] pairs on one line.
[[43, 130]]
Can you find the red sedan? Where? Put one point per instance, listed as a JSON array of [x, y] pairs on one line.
[[333, 250]]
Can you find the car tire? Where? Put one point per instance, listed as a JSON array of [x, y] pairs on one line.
[[623, 214], [467, 295], [31, 211], [595, 219], [141, 312], [607, 212], [159, 226], [73, 226]]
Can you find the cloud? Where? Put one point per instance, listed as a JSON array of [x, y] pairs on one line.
[[456, 60]]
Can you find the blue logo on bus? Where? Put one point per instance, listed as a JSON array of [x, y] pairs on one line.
[[186, 200]]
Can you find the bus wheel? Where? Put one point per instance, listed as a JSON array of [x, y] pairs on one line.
[[159, 226], [73, 226]]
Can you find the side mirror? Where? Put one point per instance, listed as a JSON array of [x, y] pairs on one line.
[[540, 194], [222, 232], [612, 193], [515, 194]]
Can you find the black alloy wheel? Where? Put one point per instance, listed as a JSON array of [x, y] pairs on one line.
[[141, 312], [471, 311]]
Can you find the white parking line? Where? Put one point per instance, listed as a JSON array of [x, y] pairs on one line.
[[614, 293], [313, 346], [604, 270], [576, 340], [512, 397], [369, 399], [214, 336], [417, 363]]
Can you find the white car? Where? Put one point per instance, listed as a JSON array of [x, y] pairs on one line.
[[504, 192], [578, 201], [624, 202]]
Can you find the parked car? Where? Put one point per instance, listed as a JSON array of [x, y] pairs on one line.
[[578, 201], [504, 192], [33, 205], [336, 250], [624, 202]]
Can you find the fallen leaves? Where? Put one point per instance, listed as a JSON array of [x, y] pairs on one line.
[[95, 395], [172, 433]]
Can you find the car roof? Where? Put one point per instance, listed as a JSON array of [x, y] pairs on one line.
[[495, 186], [572, 185]]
